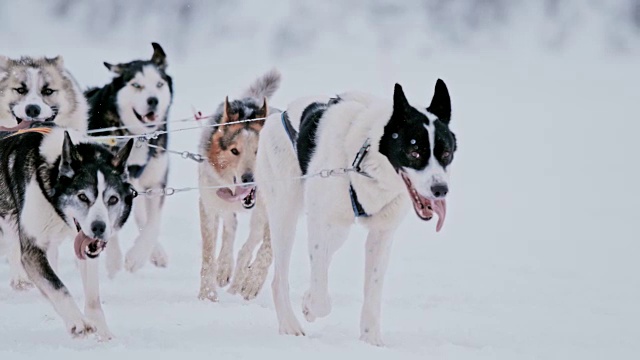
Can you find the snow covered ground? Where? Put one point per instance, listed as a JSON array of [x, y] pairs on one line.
[[538, 258]]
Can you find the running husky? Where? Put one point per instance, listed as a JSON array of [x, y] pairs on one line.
[[137, 102], [37, 90], [40, 89], [230, 152], [396, 154], [52, 188]]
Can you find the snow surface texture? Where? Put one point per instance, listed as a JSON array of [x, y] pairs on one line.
[[539, 255]]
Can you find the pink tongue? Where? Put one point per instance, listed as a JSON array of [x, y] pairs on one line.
[[226, 194], [440, 208], [150, 117], [23, 125], [80, 244]]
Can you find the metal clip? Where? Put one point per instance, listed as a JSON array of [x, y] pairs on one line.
[[360, 156], [325, 173], [151, 136], [189, 155]]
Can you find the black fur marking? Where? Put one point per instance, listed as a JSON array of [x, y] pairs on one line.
[[405, 141], [307, 136], [135, 171]]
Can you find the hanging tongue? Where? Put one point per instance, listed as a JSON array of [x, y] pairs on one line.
[[425, 207], [85, 246], [227, 194], [22, 125]]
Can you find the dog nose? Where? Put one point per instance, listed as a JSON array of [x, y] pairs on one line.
[[440, 190], [32, 111], [152, 101], [247, 178], [98, 228]]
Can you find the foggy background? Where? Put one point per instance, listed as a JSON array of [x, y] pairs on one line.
[[538, 257]]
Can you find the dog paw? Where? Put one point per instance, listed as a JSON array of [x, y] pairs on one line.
[[372, 337], [134, 260], [159, 257], [104, 335], [225, 270], [313, 308], [208, 294], [81, 328], [291, 328], [20, 284], [253, 283]]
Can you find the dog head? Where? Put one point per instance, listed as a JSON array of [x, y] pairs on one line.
[[39, 90], [92, 192], [233, 148], [420, 146], [144, 91]]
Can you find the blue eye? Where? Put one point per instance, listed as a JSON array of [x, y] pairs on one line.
[[160, 84], [136, 86]]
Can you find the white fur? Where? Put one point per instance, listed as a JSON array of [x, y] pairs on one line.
[[131, 98], [35, 79], [341, 133]]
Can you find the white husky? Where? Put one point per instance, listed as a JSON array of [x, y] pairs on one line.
[[403, 155]]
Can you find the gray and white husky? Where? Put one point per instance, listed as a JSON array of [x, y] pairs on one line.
[[40, 89], [56, 184], [404, 153], [37, 90]]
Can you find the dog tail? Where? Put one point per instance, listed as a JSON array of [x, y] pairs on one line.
[[265, 86]]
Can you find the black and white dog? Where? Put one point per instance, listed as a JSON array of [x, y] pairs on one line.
[[402, 153], [56, 184], [137, 102]]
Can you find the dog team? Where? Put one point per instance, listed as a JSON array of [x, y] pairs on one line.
[[75, 164]]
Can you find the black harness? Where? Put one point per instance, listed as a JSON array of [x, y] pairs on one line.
[[358, 210]]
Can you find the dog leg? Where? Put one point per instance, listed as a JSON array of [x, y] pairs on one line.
[[114, 257], [246, 251], [324, 240], [283, 211], [92, 306], [144, 245], [225, 258], [19, 279], [259, 268], [52, 255], [37, 267], [209, 232], [378, 249]]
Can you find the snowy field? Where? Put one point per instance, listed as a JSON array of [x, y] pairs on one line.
[[538, 259]]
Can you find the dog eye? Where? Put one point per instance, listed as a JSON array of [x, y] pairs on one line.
[[235, 152], [113, 200], [21, 90], [47, 92], [160, 84], [136, 86], [415, 154], [446, 154], [83, 198]]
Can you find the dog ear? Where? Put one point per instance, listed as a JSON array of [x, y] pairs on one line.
[[57, 61], [67, 157], [441, 102], [120, 159], [226, 111], [4, 63], [400, 103], [263, 112], [159, 58], [116, 69]]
